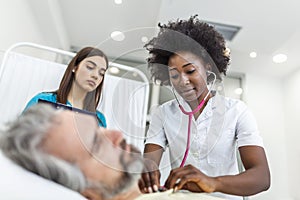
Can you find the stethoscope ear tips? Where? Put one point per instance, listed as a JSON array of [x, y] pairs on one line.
[[208, 73], [211, 76]]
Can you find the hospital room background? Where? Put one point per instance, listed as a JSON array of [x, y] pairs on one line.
[[256, 30]]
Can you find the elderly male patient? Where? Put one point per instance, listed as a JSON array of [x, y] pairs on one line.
[[70, 149]]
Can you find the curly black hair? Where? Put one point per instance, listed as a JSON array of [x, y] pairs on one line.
[[190, 35]]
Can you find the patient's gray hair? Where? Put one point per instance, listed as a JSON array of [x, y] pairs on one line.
[[21, 142]]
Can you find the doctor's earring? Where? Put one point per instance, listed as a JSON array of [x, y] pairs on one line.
[[73, 70]]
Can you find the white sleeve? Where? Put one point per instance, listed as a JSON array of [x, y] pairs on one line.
[[156, 133], [247, 130]]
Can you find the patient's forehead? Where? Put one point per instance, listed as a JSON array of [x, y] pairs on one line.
[[84, 125], [72, 132], [71, 118]]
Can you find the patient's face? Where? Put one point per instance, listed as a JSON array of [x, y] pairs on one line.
[[101, 154]]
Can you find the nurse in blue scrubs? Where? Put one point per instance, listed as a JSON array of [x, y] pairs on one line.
[[82, 83]]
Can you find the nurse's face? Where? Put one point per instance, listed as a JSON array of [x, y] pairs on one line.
[[102, 155], [90, 73], [188, 75]]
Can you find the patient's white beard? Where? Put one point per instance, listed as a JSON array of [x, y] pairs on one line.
[[130, 174]]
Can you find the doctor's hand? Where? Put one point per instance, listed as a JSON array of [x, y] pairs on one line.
[[150, 179], [190, 178]]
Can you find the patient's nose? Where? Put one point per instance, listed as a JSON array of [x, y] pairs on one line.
[[114, 136]]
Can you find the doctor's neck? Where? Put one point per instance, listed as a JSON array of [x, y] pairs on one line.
[[194, 104]]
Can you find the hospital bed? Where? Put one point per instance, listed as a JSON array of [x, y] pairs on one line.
[[28, 69]]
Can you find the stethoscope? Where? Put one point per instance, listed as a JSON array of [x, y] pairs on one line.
[[190, 114]]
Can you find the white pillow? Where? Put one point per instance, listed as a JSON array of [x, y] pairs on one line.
[[18, 183]]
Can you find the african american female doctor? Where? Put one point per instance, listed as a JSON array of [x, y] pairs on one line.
[[202, 129]]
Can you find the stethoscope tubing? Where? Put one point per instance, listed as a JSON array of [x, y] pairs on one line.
[[190, 115]]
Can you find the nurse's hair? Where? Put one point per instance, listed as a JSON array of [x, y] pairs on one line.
[[21, 142], [192, 36]]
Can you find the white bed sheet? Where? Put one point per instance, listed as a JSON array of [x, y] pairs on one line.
[[17, 183]]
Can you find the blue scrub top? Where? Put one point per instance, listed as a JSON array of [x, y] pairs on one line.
[[49, 96]]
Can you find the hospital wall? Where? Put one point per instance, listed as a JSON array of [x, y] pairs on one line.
[[291, 96], [264, 96], [17, 24], [272, 100]]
